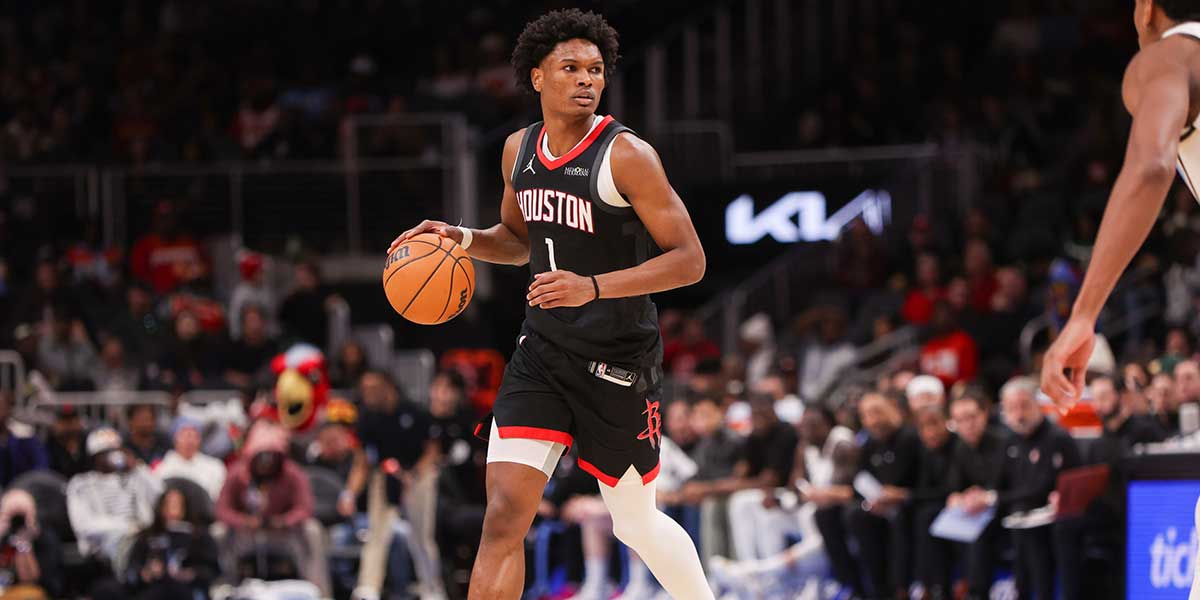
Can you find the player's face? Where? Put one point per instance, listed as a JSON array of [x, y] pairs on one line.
[[571, 78]]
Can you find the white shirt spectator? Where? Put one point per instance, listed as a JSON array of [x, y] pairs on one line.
[[205, 470], [819, 461], [107, 508], [822, 363]]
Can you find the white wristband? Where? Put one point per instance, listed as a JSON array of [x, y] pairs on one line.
[[468, 237]]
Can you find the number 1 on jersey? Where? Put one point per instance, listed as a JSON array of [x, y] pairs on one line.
[[550, 247]]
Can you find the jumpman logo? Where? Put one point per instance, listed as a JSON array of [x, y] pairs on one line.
[[653, 430], [529, 167]]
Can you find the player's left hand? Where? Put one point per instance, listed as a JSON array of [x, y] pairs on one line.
[[554, 289], [1071, 350]]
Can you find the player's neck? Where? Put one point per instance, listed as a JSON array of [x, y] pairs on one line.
[[564, 132]]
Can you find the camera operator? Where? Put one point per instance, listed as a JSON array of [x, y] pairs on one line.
[[30, 558]]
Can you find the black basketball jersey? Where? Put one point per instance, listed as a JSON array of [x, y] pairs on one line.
[[571, 227]]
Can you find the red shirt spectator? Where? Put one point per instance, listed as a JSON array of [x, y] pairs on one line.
[[918, 305], [681, 356], [165, 259], [283, 496], [951, 354]]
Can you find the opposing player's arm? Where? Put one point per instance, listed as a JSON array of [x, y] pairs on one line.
[[506, 242], [638, 174], [1156, 94], [1157, 97]]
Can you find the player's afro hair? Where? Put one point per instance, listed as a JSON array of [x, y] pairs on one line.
[[1180, 10], [541, 36]]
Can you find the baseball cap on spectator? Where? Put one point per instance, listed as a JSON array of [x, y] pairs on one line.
[[925, 390], [66, 411], [103, 440], [185, 422]]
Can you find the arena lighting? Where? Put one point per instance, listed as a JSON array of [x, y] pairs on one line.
[[800, 217]]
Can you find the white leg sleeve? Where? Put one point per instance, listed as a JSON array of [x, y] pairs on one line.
[[663, 545], [539, 454]]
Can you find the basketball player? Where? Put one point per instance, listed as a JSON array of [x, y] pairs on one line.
[[584, 201], [1162, 92]]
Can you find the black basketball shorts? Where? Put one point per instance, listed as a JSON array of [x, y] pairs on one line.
[[611, 412]]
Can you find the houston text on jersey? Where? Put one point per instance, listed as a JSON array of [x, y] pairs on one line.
[[552, 206]]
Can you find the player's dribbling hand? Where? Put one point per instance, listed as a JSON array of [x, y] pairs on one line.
[[1071, 350], [427, 226], [553, 289]]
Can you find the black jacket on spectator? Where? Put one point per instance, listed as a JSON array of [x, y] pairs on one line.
[[979, 466], [894, 461], [715, 456], [244, 358], [66, 463], [303, 317], [933, 474], [399, 435], [1031, 467], [773, 449], [194, 549]]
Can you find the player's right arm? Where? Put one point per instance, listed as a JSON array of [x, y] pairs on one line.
[[506, 242], [1156, 93]]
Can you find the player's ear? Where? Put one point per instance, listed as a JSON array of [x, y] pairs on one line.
[[535, 75]]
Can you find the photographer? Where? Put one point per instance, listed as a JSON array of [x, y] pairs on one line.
[[173, 558], [30, 558]]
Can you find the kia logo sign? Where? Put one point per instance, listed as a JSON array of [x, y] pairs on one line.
[[800, 217]]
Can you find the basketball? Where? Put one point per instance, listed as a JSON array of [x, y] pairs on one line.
[[429, 279]]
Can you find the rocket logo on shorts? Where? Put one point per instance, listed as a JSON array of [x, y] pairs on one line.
[[653, 431]]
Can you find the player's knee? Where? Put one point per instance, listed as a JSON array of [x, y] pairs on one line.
[[503, 518], [634, 529]]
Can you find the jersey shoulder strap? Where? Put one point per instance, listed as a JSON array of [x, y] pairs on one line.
[[1188, 28], [525, 154], [601, 183]]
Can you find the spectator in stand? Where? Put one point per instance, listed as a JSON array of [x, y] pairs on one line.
[[1187, 391], [764, 463], [30, 555], [267, 496], [859, 258], [193, 358], [1102, 521], [19, 454], [302, 314], [166, 258], [1160, 395], [980, 274], [251, 352], [46, 294], [109, 504], [185, 461], [251, 290], [918, 305], [65, 444], [1038, 452], [756, 341], [399, 466], [682, 356], [883, 525], [92, 264], [925, 391], [996, 331], [462, 496], [950, 354], [144, 441], [824, 350], [335, 447], [137, 324], [1178, 348], [928, 498], [974, 470], [715, 453], [175, 557], [349, 366], [113, 373], [65, 353]]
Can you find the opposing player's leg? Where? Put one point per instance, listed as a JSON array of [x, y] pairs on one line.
[[661, 542], [517, 472]]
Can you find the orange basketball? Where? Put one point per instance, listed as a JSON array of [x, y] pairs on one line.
[[429, 279]]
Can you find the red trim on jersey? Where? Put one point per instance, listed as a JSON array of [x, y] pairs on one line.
[[611, 481], [576, 151], [652, 475], [536, 433], [600, 476]]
